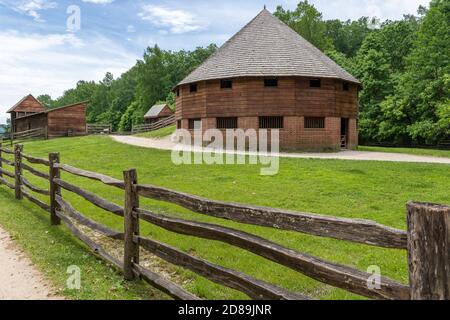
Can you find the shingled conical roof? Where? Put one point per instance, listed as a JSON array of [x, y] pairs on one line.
[[267, 47]]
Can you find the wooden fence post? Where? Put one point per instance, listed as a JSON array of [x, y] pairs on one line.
[[131, 223], [54, 188], [429, 251], [18, 170]]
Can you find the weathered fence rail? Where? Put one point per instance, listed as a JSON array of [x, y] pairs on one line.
[[19, 137], [427, 239], [153, 126], [93, 128]]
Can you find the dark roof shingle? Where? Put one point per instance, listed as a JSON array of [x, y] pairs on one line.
[[267, 47]]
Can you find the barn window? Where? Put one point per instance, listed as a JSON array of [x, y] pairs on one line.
[[346, 86], [195, 124], [315, 83], [226, 84], [271, 122], [179, 124], [227, 123], [273, 82], [178, 92], [314, 123], [193, 88]]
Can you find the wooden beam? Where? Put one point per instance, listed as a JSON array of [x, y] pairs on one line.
[[429, 251], [254, 288], [91, 197], [356, 230], [131, 224]]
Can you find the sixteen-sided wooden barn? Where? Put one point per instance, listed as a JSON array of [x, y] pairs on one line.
[[269, 77]]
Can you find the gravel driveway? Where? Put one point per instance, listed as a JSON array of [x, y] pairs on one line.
[[19, 280], [167, 144]]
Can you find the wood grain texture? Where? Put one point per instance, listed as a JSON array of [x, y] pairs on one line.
[[91, 197], [55, 190], [92, 175], [67, 208], [162, 284], [95, 247], [254, 288], [30, 186], [429, 251], [35, 160], [6, 173], [18, 171], [361, 231], [34, 200], [131, 224], [6, 183], [35, 172], [327, 272]]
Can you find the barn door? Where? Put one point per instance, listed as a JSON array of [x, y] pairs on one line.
[[344, 133]]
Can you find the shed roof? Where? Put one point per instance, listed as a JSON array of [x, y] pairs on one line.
[[54, 109], [155, 111], [267, 47]]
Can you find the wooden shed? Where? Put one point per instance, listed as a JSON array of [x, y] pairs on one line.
[[29, 105], [64, 121], [157, 113], [268, 77]]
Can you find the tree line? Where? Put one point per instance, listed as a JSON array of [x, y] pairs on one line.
[[403, 66]]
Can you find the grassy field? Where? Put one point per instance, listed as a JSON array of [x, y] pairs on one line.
[[370, 190], [53, 250], [415, 151], [161, 133]]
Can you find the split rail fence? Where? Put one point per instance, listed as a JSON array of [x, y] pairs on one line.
[[93, 128], [427, 240], [153, 126], [18, 137]]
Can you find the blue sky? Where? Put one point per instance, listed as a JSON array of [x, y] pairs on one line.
[[38, 54]]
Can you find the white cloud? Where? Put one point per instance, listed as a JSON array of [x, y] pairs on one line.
[[353, 9], [99, 1], [37, 64], [31, 8], [176, 21]]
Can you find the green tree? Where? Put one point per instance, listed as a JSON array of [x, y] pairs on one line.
[[307, 21], [418, 110], [348, 36], [46, 100]]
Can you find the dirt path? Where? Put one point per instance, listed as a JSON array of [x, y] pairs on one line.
[[19, 280], [167, 144]]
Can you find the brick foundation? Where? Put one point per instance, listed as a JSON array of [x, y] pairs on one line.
[[294, 136]]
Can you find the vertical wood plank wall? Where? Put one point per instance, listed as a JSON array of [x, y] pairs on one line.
[[293, 99]]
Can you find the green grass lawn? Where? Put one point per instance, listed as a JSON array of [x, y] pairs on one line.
[[161, 133], [415, 151], [371, 190]]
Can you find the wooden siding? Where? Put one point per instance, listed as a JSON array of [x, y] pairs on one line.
[[249, 98], [29, 105], [72, 118], [31, 122], [293, 99], [58, 122]]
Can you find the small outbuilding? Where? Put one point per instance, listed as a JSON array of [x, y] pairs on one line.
[[157, 113], [64, 121]]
